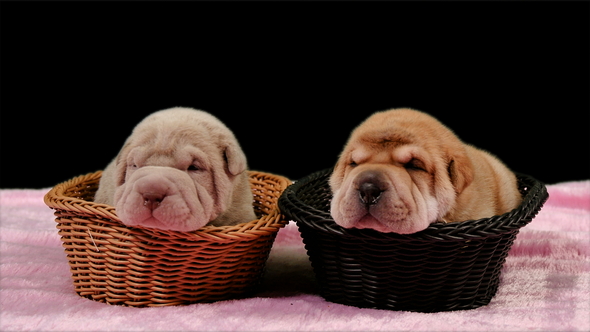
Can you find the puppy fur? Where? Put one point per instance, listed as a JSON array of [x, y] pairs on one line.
[[180, 169], [402, 170]]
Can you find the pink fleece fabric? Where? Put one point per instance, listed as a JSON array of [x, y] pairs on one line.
[[545, 284]]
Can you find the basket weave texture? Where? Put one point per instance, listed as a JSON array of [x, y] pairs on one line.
[[139, 266], [452, 266]]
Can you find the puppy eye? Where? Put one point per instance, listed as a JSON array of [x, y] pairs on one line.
[[353, 164], [192, 168], [415, 165]]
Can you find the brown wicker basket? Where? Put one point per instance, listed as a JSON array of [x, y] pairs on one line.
[[138, 266], [454, 266]]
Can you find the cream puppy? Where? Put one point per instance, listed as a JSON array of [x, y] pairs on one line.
[[402, 170], [180, 169]]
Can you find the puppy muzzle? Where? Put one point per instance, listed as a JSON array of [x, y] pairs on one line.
[[164, 198]]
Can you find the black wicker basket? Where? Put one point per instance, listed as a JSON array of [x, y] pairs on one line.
[[454, 266]]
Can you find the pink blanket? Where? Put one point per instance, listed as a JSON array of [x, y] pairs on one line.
[[545, 283]]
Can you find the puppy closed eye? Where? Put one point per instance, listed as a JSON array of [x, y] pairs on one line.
[[353, 164], [193, 168], [415, 165]]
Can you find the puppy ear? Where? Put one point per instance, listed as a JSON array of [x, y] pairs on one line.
[[461, 172], [235, 159]]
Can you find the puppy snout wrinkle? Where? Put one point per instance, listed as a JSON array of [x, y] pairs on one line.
[[369, 193], [152, 200]]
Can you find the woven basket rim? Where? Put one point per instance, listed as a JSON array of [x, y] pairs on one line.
[[535, 195], [57, 199]]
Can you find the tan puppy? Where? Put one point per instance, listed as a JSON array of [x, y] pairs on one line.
[[180, 169], [402, 170]]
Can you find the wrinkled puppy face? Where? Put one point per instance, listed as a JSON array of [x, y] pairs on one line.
[[175, 173], [399, 172]]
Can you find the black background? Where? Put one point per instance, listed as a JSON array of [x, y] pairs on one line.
[[292, 79]]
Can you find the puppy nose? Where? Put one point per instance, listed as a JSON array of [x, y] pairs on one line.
[[369, 193], [151, 200]]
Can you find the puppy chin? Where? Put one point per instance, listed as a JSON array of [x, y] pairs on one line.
[[399, 227], [184, 226], [371, 222]]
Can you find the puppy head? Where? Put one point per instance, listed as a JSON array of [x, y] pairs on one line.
[[176, 171], [400, 171]]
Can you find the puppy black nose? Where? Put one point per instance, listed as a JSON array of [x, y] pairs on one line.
[[151, 200], [369, 193]]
